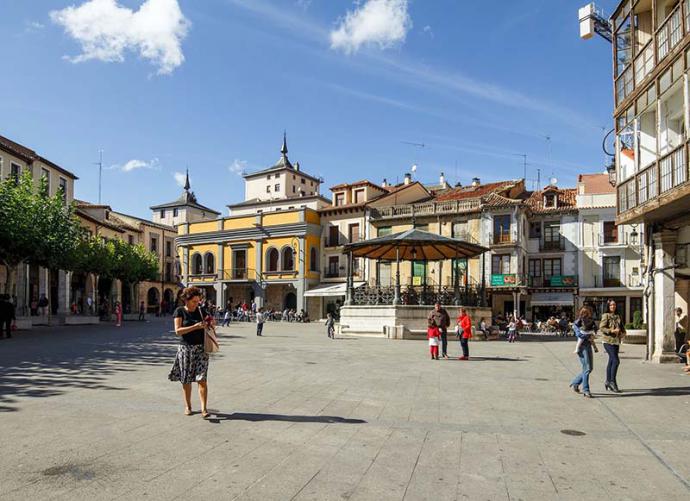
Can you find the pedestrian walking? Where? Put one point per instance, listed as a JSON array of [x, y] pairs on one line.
[[465, 333], [118, 314], [191, 362], [613, 332], [442, 322], [42, 305], [588, 326], [585, 353], [142, 311], [681, 331], [433, 334], [512, 330], [7, 317], [260, 319], [227, 316], [330, 326]]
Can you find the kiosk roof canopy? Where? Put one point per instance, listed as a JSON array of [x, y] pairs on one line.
[[414, 245]]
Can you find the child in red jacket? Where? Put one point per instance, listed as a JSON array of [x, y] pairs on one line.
[[464, 332], [433, 334]]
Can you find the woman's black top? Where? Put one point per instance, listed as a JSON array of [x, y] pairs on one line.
[[190, 318]]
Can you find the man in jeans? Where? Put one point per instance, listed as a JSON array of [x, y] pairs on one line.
[[260, 321], [441, 318]]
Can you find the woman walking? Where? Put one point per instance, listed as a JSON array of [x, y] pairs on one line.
[[613, 331], [582, 327], [191, 362], [118, 314], [465, 333]]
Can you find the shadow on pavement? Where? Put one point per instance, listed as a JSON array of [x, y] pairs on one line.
[[48, 363], [487, 359], [672, 391], [217, 417]]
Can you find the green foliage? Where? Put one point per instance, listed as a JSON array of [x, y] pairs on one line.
[[133, 263], [637, 319], [34, 227]]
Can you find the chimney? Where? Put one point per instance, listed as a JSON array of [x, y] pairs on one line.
[[384, 184], [408, 178], [442, 180], [475, 181]]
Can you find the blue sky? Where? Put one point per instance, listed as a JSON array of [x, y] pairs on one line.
[[212, 85]]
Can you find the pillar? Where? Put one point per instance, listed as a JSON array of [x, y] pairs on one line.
[[220, 276], [64, 278], [259, 286], [185, 265], [348, 287], [663, 345], [396, 297]]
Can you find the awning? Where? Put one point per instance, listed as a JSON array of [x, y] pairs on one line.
[[330, 290], [552, 299]]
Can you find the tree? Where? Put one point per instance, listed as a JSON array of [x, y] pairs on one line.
[[34, 227], [133, 263]]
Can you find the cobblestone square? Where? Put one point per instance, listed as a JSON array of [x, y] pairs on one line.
[[88, 413]]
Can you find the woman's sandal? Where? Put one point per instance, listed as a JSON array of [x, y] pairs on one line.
[[205, 414], [187, 411]]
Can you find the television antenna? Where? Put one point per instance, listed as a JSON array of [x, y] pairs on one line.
[[524, 164], [100, 173]]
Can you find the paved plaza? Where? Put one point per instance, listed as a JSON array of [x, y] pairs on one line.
[[88, 413]]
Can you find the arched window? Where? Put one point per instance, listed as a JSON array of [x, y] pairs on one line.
[[197, 264], [210, 263], [313, 259], [288, 259], [272, 259]]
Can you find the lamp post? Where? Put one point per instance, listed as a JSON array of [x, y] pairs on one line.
[[611, 171]]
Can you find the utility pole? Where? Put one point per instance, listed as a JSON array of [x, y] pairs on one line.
[[524, 164], [100, 174]]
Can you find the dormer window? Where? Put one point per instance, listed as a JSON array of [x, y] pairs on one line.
[[107, 215], [550, 200], [339, 199]]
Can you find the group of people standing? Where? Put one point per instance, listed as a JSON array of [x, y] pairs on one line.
[[438, 322], [613, 331]]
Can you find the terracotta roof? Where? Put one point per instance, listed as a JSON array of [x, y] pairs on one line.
[[332, 207], [29, 155], [595, 184], [464, 192], [495, 200], [566, 201], [362, 182]]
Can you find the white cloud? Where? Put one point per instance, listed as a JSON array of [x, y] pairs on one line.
[[136, 164], [180, 178], [383, 23], [106, 31], [427, 29], [238, 167], [34, 26]]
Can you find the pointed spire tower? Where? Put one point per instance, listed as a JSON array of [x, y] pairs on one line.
[[186, 181], [284, 161]]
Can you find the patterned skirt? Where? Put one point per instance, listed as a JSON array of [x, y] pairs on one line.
[[191, 364]]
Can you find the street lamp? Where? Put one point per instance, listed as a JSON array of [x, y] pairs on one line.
[[634, 236], [611, 170]]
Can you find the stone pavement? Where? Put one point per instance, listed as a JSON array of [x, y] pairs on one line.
[[87, 413]]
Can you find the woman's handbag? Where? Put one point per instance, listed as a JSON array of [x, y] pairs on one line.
[[210, 340]]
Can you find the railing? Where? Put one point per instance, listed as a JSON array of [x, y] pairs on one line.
[[331, 242], [553, 244], [425, 209], [612, 282], [503, 238], [333, 273], [622, 239], [465, 236], [669, 33], [418, 295], [241, 274], [669, 172], [201, 276]]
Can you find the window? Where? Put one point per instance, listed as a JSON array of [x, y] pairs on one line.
[[268, 189], [272, 259], [552, 235], [552, 267], [168, 272], [385, 276], [168, 248], [459, 231], [339, 199], [239, 264], [162, 213], [535, 229], [610, 232], [500, 264], [197, 264], [313, 259], [174, 212], [304, 181], [288, 259], [359, 196], [268, 176], [15, 171], [419, 269], [550, 200], [63, 189], [130, 239], [294, 189], [353, 233], [502, 229], [385, 230], [210, 263], [333, 266], [45, 174], [333, 236], [534, 268], [154, 244], [276, 187], [612, 271]]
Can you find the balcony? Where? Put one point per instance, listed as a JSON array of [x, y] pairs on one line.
[[329, 242], [552, 244], [239, 274], [425, 209], [669, 33], [502, 238], [660, 178], [334, 273], [619, 240], [554, 281]]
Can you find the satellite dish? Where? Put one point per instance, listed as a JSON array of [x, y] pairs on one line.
[[414, 168], [553, 181]]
